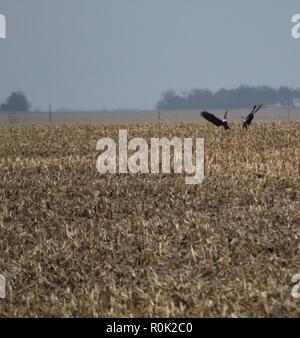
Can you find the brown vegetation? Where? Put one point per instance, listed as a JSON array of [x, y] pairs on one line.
[[77, 243]]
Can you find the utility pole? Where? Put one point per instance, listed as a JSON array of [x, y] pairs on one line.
[[50, 113], [159, 122]]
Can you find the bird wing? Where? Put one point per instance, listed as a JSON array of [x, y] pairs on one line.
[[257, 109], [253, 109], [225, 115], [212, 118]]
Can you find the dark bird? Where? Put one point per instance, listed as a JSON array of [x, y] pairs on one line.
[[215, 120], [248, 119]]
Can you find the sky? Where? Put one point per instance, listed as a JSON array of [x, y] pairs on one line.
[[111, 54]]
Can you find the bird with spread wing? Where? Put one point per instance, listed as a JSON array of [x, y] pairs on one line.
[[223, 123], [215, 120], [248, 119]]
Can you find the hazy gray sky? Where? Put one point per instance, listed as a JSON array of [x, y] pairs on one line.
[[87, 54]]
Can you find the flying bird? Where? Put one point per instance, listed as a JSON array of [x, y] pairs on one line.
[[215, 120], [248, 119]]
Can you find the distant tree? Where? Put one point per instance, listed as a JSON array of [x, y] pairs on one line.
[[238, 98], [199, 97], [285, 95], [169, 98], [17, 101]]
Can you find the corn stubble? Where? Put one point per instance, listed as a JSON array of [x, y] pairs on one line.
[[77, 243]]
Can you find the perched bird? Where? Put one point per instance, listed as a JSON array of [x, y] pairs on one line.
[[248, 119], [215, 120]]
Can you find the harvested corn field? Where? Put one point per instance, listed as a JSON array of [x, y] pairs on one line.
[[78, 243]]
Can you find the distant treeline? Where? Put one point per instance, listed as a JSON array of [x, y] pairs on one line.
[[17, 101], [239, 98]]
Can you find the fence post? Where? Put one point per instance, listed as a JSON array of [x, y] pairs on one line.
[[159, 123], [50, 113]]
